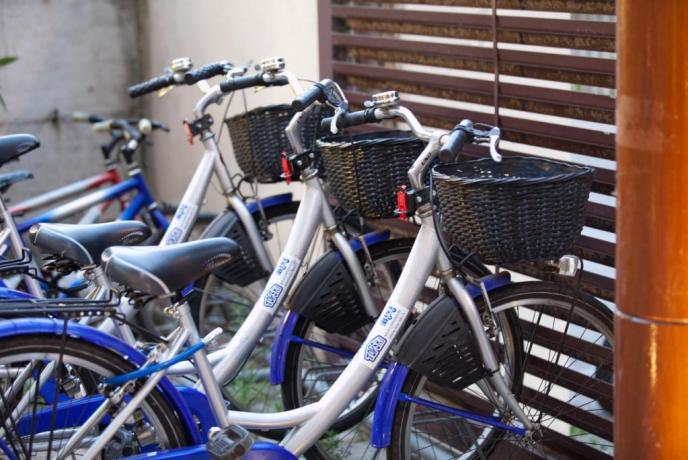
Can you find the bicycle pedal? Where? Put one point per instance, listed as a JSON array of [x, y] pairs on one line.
[[230, 443]]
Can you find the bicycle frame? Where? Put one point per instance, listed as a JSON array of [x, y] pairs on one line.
[[10, 237], [110, 176], [142, 200]]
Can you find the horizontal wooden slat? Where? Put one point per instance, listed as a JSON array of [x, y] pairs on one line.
[[562, 33], [604, 7], [569, 104], [597, 285], [603, 181], [591, 387], [591, 353], [516, 129], [569, 413], [573, 69]]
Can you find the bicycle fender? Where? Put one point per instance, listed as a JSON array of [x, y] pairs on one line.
[[37, 326], [326, 295], [246, 269], [393, 381]]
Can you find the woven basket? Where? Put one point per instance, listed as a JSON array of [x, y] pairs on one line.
[[519, 210], [365, 170], [258, 138]]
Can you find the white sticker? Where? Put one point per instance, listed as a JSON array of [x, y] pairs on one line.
[[279, 283], [383, 333], [181, 223]]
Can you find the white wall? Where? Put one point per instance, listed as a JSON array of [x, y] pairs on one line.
[[73, 55], [210, 30]]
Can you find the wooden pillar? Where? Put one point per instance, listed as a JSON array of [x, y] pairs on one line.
[[651, 349]]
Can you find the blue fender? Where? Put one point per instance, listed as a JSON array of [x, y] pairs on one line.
[[33, 326], [393, 382], [270, 201], [284, 331]]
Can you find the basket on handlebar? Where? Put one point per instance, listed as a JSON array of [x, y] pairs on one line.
[[364, 171], [258, 138], [519, 210]]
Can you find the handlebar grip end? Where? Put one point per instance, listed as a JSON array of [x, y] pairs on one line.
[[451, 149]]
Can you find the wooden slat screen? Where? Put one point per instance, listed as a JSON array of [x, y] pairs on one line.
[[555, 66]]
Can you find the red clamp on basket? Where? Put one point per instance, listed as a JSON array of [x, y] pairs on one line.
[[402, 205], [286, 168], [188, 131]]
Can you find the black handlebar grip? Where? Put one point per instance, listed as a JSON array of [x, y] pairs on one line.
[[154, 84], [308, 97], [345, 120], [207, 71], [160, 125], [449, 152], [249, 81]]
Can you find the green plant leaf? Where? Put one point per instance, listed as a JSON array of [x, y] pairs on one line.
[[4, 60]]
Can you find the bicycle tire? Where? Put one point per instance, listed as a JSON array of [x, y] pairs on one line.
[[86, 361], [585, 313]]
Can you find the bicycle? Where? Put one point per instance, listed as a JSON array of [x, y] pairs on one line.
[[313, 420]]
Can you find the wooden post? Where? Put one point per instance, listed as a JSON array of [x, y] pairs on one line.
[[651, 349]]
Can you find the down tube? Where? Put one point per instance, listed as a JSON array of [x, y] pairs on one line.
[[418, 267], [308, 217]]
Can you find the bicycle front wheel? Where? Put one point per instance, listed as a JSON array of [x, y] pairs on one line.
[[566, 354], [49, 387]]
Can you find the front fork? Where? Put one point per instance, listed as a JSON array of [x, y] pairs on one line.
[[498, 390]]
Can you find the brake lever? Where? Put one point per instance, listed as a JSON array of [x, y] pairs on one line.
[[492, 137], [495, 135], [341, 109]]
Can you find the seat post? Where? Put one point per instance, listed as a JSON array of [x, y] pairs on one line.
[[205, 371], [102, 291]]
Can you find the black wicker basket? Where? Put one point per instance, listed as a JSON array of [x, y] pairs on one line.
[[366, 170], [258, 138], [519, 210]]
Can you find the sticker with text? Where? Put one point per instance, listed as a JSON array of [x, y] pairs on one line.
[[181, 223], [384, 332], [279, 283]]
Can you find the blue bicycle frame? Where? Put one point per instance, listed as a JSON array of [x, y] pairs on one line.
[[142, 200]]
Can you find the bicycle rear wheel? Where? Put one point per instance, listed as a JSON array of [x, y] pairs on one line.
[[566, 348]]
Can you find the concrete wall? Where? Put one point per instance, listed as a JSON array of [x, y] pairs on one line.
[[73, 55], [211, 30]]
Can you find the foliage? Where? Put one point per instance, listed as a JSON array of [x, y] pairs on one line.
[[5, 60]]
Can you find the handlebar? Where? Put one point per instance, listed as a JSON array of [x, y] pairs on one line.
[[87, 117], [308, 97], [207, 71], [152, 85], [249, 81], [453, 144], [349, 119], [178, 78]]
